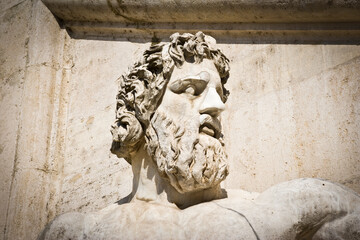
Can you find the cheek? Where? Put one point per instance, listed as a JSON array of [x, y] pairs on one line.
[[173, 105], [178, 105], [185, 111]]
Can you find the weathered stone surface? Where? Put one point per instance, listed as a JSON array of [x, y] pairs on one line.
[[30, 169], [30, 176], [13, 51], [209, 11], [303, 98], [245, 21], [284, 211], [167, 127], [293, 110], [88, 167]]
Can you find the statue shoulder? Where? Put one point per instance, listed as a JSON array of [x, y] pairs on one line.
[[72, 225], [66, 226]]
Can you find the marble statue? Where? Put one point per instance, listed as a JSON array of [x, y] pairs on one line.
[[168, 128]]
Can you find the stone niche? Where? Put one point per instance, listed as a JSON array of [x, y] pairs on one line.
[[293, 110]]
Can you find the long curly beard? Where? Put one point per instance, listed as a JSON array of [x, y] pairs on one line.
[[189, 160]]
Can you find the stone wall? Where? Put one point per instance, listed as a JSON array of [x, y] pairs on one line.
[[293, 112], [32, 72]]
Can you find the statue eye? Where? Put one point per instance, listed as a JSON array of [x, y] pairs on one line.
[[190, 90], [191, 86]]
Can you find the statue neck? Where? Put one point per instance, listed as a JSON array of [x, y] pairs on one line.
[[149, 186]]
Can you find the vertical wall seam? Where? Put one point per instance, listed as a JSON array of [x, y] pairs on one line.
[[59, 139], [19, 126]]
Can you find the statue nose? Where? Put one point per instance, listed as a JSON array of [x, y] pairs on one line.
[[212, 103]]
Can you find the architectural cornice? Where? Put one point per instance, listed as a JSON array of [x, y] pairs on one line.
[[244, 20]]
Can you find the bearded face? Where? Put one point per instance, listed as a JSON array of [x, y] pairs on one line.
[[184, 135]]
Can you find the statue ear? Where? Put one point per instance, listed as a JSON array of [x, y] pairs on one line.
[[127, 135]]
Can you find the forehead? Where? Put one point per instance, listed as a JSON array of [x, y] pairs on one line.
[[192, 69]]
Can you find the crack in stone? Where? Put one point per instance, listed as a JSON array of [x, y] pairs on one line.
[[247, 220]]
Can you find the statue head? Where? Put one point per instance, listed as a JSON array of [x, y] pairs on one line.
[[170, 102]]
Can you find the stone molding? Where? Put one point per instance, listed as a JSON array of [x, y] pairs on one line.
[[245, 21], [210, 11]]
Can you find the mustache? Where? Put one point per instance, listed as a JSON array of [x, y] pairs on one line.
[[210, 125]]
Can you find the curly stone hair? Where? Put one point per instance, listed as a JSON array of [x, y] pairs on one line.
[[141, 89]]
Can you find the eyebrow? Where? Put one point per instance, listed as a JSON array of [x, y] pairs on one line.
[[199, 81]]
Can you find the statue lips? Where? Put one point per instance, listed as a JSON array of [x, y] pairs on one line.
[[210, 126]]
